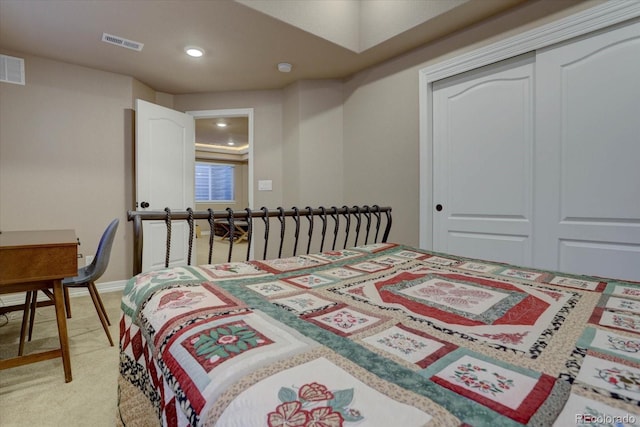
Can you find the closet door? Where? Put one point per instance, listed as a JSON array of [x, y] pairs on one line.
[[483, 145], [587, 192]]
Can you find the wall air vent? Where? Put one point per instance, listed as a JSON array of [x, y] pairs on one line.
[[11, 69], [119, 41]]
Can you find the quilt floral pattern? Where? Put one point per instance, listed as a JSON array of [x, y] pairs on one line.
[[313, 405], [380, 334], [214, 346]]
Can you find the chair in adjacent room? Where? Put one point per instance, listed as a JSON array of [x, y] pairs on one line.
[[86, 279]]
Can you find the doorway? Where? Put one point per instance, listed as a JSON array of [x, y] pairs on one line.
[[224, 138]]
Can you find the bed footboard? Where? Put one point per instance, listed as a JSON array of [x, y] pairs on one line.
[[326, 228]]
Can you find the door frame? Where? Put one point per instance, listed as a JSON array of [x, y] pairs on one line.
[[580, 23]]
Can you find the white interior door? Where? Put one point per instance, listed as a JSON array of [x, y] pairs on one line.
[[482, 151], [165, 157], [588, 153]]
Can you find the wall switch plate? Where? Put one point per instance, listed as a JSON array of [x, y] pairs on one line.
[[265, 185]]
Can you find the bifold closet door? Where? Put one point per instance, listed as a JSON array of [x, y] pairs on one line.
[[587, 156], [482, 162]]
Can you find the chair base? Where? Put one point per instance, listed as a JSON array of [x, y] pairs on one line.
[[28, 317]]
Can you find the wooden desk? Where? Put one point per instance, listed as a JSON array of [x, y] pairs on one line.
[[35, 260]]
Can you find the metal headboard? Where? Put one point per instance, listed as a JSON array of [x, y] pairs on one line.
[[369, 222]]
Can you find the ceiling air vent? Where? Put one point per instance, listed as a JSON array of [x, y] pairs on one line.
[[119, 41], [11, 69]]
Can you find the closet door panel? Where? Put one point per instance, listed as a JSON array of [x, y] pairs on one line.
[[588, 154], [493, 246], [483, 136], [606, 257]]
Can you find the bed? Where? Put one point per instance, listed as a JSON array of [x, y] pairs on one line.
[[377, 334]]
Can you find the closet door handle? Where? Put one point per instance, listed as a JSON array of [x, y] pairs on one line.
[[144, 205], [438, 207]]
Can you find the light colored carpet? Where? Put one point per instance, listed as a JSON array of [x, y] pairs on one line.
[[37, 395]]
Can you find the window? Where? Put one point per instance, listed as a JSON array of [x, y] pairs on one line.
[[214, 182]]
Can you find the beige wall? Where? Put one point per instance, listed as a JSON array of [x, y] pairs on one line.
[[313, 141], [381, 146], [290, 138], [65, 154], [66, 148]]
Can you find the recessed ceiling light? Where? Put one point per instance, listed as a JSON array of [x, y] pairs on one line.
[[221, 124], [284, 67], [196, 52], [231, 143]]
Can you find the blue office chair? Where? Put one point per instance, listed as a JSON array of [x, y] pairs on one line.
[[88, 275], [86, 278]]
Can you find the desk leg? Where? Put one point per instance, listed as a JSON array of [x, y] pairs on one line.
[[58, 296], [25, 318]]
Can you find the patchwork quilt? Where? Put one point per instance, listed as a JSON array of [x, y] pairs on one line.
[[377, 335]]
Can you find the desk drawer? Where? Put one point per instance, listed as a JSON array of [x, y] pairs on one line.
[[35, 256], [33, 264]]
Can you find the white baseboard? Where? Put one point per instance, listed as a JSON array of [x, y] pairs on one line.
[[18, 298]]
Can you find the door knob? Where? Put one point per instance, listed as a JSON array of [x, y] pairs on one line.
[[144, 205], [438, 207]]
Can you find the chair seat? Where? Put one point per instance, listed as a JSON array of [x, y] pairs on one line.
[[83, 277]]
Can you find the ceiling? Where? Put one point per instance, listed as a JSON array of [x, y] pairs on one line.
[[232, 138], [244, 40]]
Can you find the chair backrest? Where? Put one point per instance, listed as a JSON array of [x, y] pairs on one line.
[[101, 259]]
